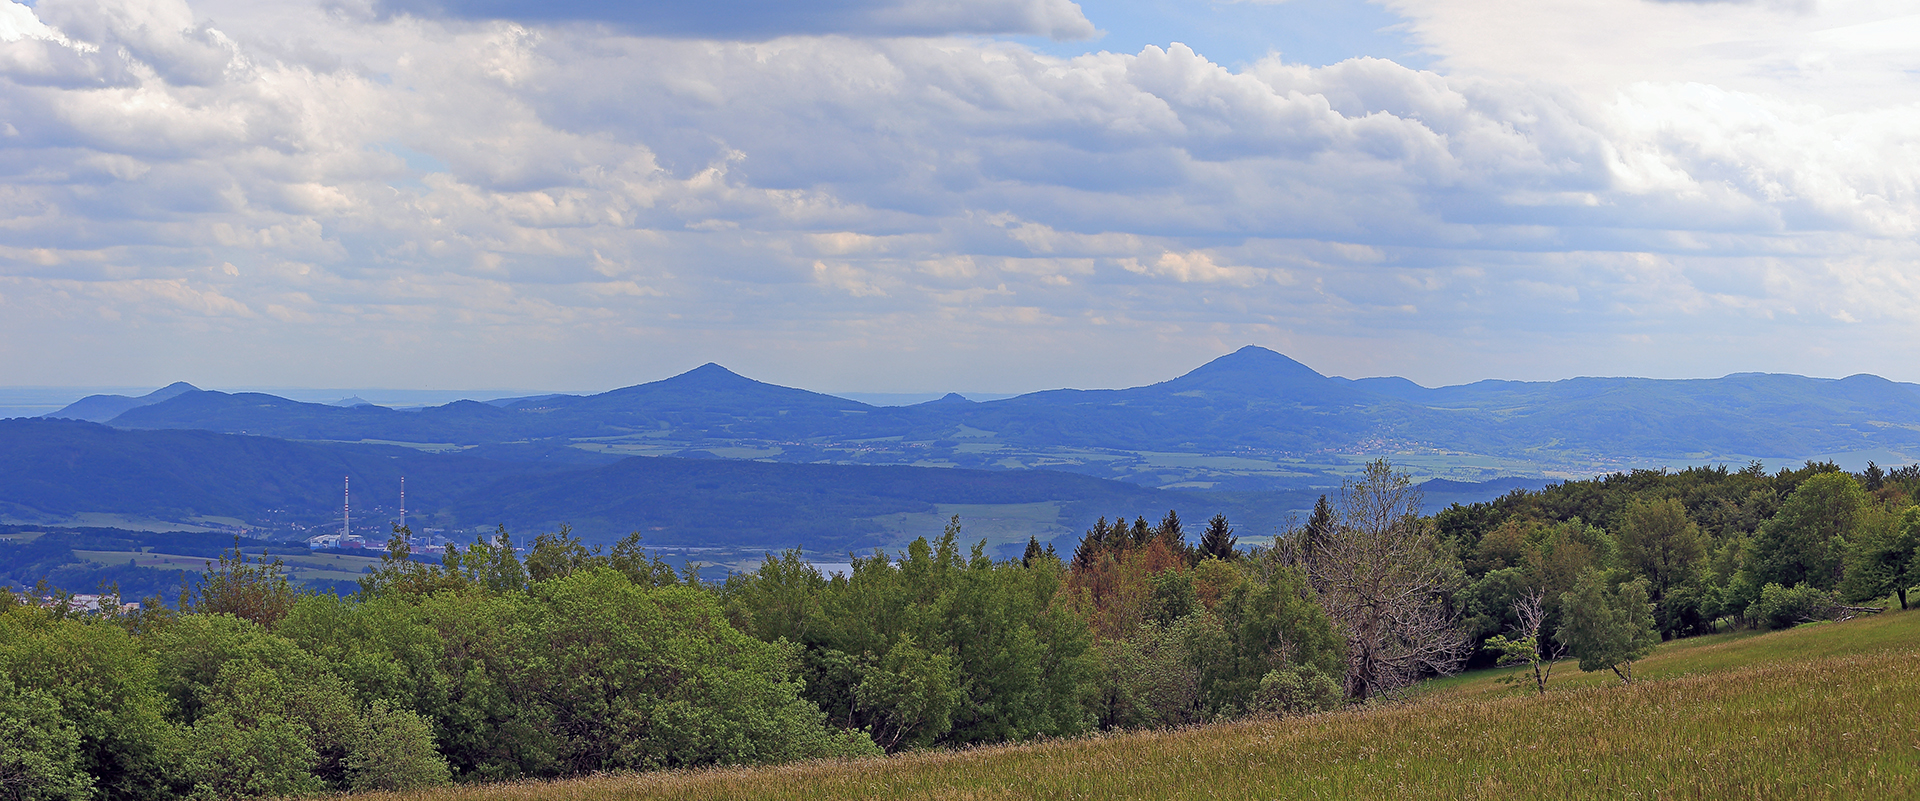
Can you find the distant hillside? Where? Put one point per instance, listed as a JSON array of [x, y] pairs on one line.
[[1753, 414], [101, 408], [461, 422], [695, 502], [1253, 400], [1441, 493], [53, 471]]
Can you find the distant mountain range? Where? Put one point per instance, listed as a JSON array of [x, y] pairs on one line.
[[1253, 434], [1252, 404], [1261, 432]]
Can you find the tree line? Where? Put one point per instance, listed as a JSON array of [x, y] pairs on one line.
[[1709, 548], [490, 666]]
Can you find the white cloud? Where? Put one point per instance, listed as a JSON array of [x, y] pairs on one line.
[[607, 191], [767, 19]]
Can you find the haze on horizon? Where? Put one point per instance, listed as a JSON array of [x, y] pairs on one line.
[[901, 197]]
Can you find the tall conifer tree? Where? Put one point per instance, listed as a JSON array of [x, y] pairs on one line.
[[1218, 541]]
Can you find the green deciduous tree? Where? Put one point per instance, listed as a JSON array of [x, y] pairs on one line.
[[103, 682], [1657, 540], [633, 677], [1882, 558], [1151, 679], [489, 563], [1807, 539], [562, 554], [39, 749], [397, 573], [393, 751], [261, 716], [258, 590], [908, 696], [1272, 623], [1785, 607], [1607, 629], [1015, 649]]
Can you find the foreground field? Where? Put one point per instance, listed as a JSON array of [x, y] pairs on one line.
[[1825, 711]]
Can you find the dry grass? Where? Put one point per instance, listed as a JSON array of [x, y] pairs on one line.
[[1884, 633], [1827, 711]]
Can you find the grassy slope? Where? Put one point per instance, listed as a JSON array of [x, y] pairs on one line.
[[1827, 711]]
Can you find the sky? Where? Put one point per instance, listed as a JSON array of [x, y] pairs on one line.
[[922, 195]]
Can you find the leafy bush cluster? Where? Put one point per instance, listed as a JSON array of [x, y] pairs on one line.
[[472, 670], [571, 661]]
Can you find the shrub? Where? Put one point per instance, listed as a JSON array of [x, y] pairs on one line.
[[1296, 689], [1780, 607]]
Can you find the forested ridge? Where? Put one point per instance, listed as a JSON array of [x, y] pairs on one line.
[[490, 666], [1276, 418]]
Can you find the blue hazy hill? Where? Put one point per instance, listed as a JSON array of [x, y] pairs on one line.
[[1252, 400], [53, 470], [101, 408]]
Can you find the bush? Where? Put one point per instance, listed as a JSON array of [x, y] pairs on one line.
[[1780, 607], [261, 716], [395, 752], [635, 677], [1151, 679], [1296, 689]]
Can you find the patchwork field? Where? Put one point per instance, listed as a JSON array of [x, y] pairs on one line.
[[301, 567], [1828, 711]]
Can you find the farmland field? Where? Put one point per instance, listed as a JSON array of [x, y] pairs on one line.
[[300, 566]]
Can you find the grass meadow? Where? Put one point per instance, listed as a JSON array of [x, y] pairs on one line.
[[1826, 711]]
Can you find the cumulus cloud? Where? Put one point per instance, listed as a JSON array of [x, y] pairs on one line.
[[459, 184], [767, 19]]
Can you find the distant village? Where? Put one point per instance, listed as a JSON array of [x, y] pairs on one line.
[[79, 604]]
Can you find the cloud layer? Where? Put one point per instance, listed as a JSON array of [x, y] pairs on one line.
[[768, 19], [431, 196]]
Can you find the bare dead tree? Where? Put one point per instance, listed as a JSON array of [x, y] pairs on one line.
[[1526, 647], [1383, 576]]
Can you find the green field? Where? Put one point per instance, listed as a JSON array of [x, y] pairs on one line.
[[1827, 711], [109, 520], [300, 566], [998, 524]]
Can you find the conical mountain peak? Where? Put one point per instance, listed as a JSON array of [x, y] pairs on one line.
[[1257, 360], [170, 390], [949, 399], [711, 384], [1251, 364], [1256, 372], [711, 371]]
